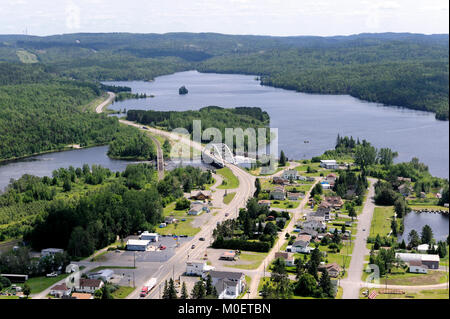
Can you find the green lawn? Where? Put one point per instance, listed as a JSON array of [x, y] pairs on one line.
[[285, 204], [122, 292], [252, 260], [230, 181], [381, 222], [38, 284], [181, 228], [170, 210], [228, 198]]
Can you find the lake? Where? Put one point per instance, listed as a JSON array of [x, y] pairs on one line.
[[438, 222], [299, 116]]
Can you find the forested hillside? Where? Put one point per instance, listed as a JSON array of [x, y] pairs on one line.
[[40, 111], [409, 70]]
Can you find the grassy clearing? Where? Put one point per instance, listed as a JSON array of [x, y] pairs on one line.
[[180, 228], [230, 181], [408, 279], [170, 210], [26, 57], [284, 204], [228, 198], [122, 292], [38, 284], [381, 222], [251, 260]]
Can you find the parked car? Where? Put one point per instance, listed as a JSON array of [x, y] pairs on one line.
[[226, 214], [53, 274], [202, 239], [193, 246], [162, 247]]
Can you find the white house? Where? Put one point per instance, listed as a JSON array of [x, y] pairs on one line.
[[89, 285], [291, 174], [287, 257], [329, 164], [149, 236], [299, 246], [424, 248], [229, 285], [51, 251], [104, 274], [197, 268], [60, 291], [137, 244], [325, 185], [417, 267], [278, 193], [198, 208]]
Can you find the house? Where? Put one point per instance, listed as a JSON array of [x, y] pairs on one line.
[[424, 248], [51, 251], [304, 237], [417, 267], [278, 193], [310, 179], [403, 179], [323, 212], [264, 202], [294, 196], [287, 257], [197, 268], [299, 246], [228, 255], [60, 291], [137, 244], [325, 185], [89, 285], [334, 202], [331, 179], [279, 180], [291, 174], [81, 295], [405, 189], [314, 225], [200, 195], [229, 285], [153, 237], [309, 231], [431, 261], [104, 274], [334, 270], [329, 164], [170, 220], [198, 208]]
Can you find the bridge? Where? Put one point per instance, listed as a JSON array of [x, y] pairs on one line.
[[218, 154]]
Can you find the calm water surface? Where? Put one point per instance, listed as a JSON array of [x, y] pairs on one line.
[[438, 223], [298, 116]]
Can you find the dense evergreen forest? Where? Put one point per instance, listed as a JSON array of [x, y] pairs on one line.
[[41, 111], [87, 207], [409, 70]]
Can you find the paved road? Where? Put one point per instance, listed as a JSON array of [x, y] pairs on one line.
[[159, 158], [353, 283], [108, 101], [259, 272]]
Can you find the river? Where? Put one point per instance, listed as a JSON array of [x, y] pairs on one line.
[[298, 117]]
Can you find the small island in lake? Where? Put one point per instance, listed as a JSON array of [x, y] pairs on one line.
[[182, 90]]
